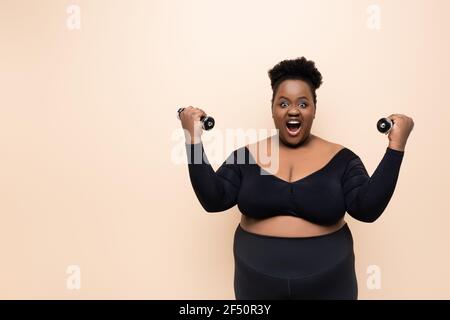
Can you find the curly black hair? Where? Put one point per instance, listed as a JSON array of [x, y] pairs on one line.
[[296, 69]]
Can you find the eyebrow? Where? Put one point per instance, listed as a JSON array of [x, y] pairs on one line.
[[297, 98]]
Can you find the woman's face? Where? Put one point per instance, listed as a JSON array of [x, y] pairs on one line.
[[293, 101]]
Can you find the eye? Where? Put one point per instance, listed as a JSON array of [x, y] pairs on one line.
[[303, 103]]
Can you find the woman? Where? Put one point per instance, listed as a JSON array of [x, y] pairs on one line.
[[292, 241]]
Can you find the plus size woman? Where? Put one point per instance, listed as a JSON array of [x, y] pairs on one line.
[[292, 241]]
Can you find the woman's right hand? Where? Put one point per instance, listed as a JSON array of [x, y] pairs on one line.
[[190, 121]]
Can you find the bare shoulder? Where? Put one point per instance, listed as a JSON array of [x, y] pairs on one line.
[[260, 147], [263, 143], [251, 146], [328, 146], [320, 146]]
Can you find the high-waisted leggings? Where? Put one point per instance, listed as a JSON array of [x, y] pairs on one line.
[[272, 267]]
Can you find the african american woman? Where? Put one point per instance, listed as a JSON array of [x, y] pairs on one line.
[[292, 241]]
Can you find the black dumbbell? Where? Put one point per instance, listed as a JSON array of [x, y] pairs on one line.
[[384, 125], [207, 121]]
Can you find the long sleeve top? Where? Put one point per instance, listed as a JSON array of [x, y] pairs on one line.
[[322, 197]]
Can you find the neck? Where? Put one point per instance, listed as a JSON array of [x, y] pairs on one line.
[[301, 144]]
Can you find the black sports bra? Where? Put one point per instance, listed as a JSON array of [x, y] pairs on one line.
[[322, 197]]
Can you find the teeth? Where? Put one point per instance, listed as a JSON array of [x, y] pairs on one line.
[[293, 121]]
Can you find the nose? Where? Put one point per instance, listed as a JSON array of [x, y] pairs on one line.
[[293, 111]]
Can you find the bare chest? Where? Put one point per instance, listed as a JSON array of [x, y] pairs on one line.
[[292, 165]]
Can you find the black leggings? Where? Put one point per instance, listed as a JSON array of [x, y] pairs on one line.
[[317, 267]]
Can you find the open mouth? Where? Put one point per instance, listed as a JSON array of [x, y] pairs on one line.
[[293, 127]]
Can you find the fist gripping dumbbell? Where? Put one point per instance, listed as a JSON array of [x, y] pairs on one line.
[[207, 121]]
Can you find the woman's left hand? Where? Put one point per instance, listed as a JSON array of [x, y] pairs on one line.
[[398, 135]]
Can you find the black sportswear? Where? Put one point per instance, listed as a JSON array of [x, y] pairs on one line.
[[322, 197]]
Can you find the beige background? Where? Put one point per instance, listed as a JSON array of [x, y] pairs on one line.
[[87, 121]]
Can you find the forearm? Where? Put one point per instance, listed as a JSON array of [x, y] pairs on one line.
[[213, 192], [375, 193], [397, 146], [191, 138]]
